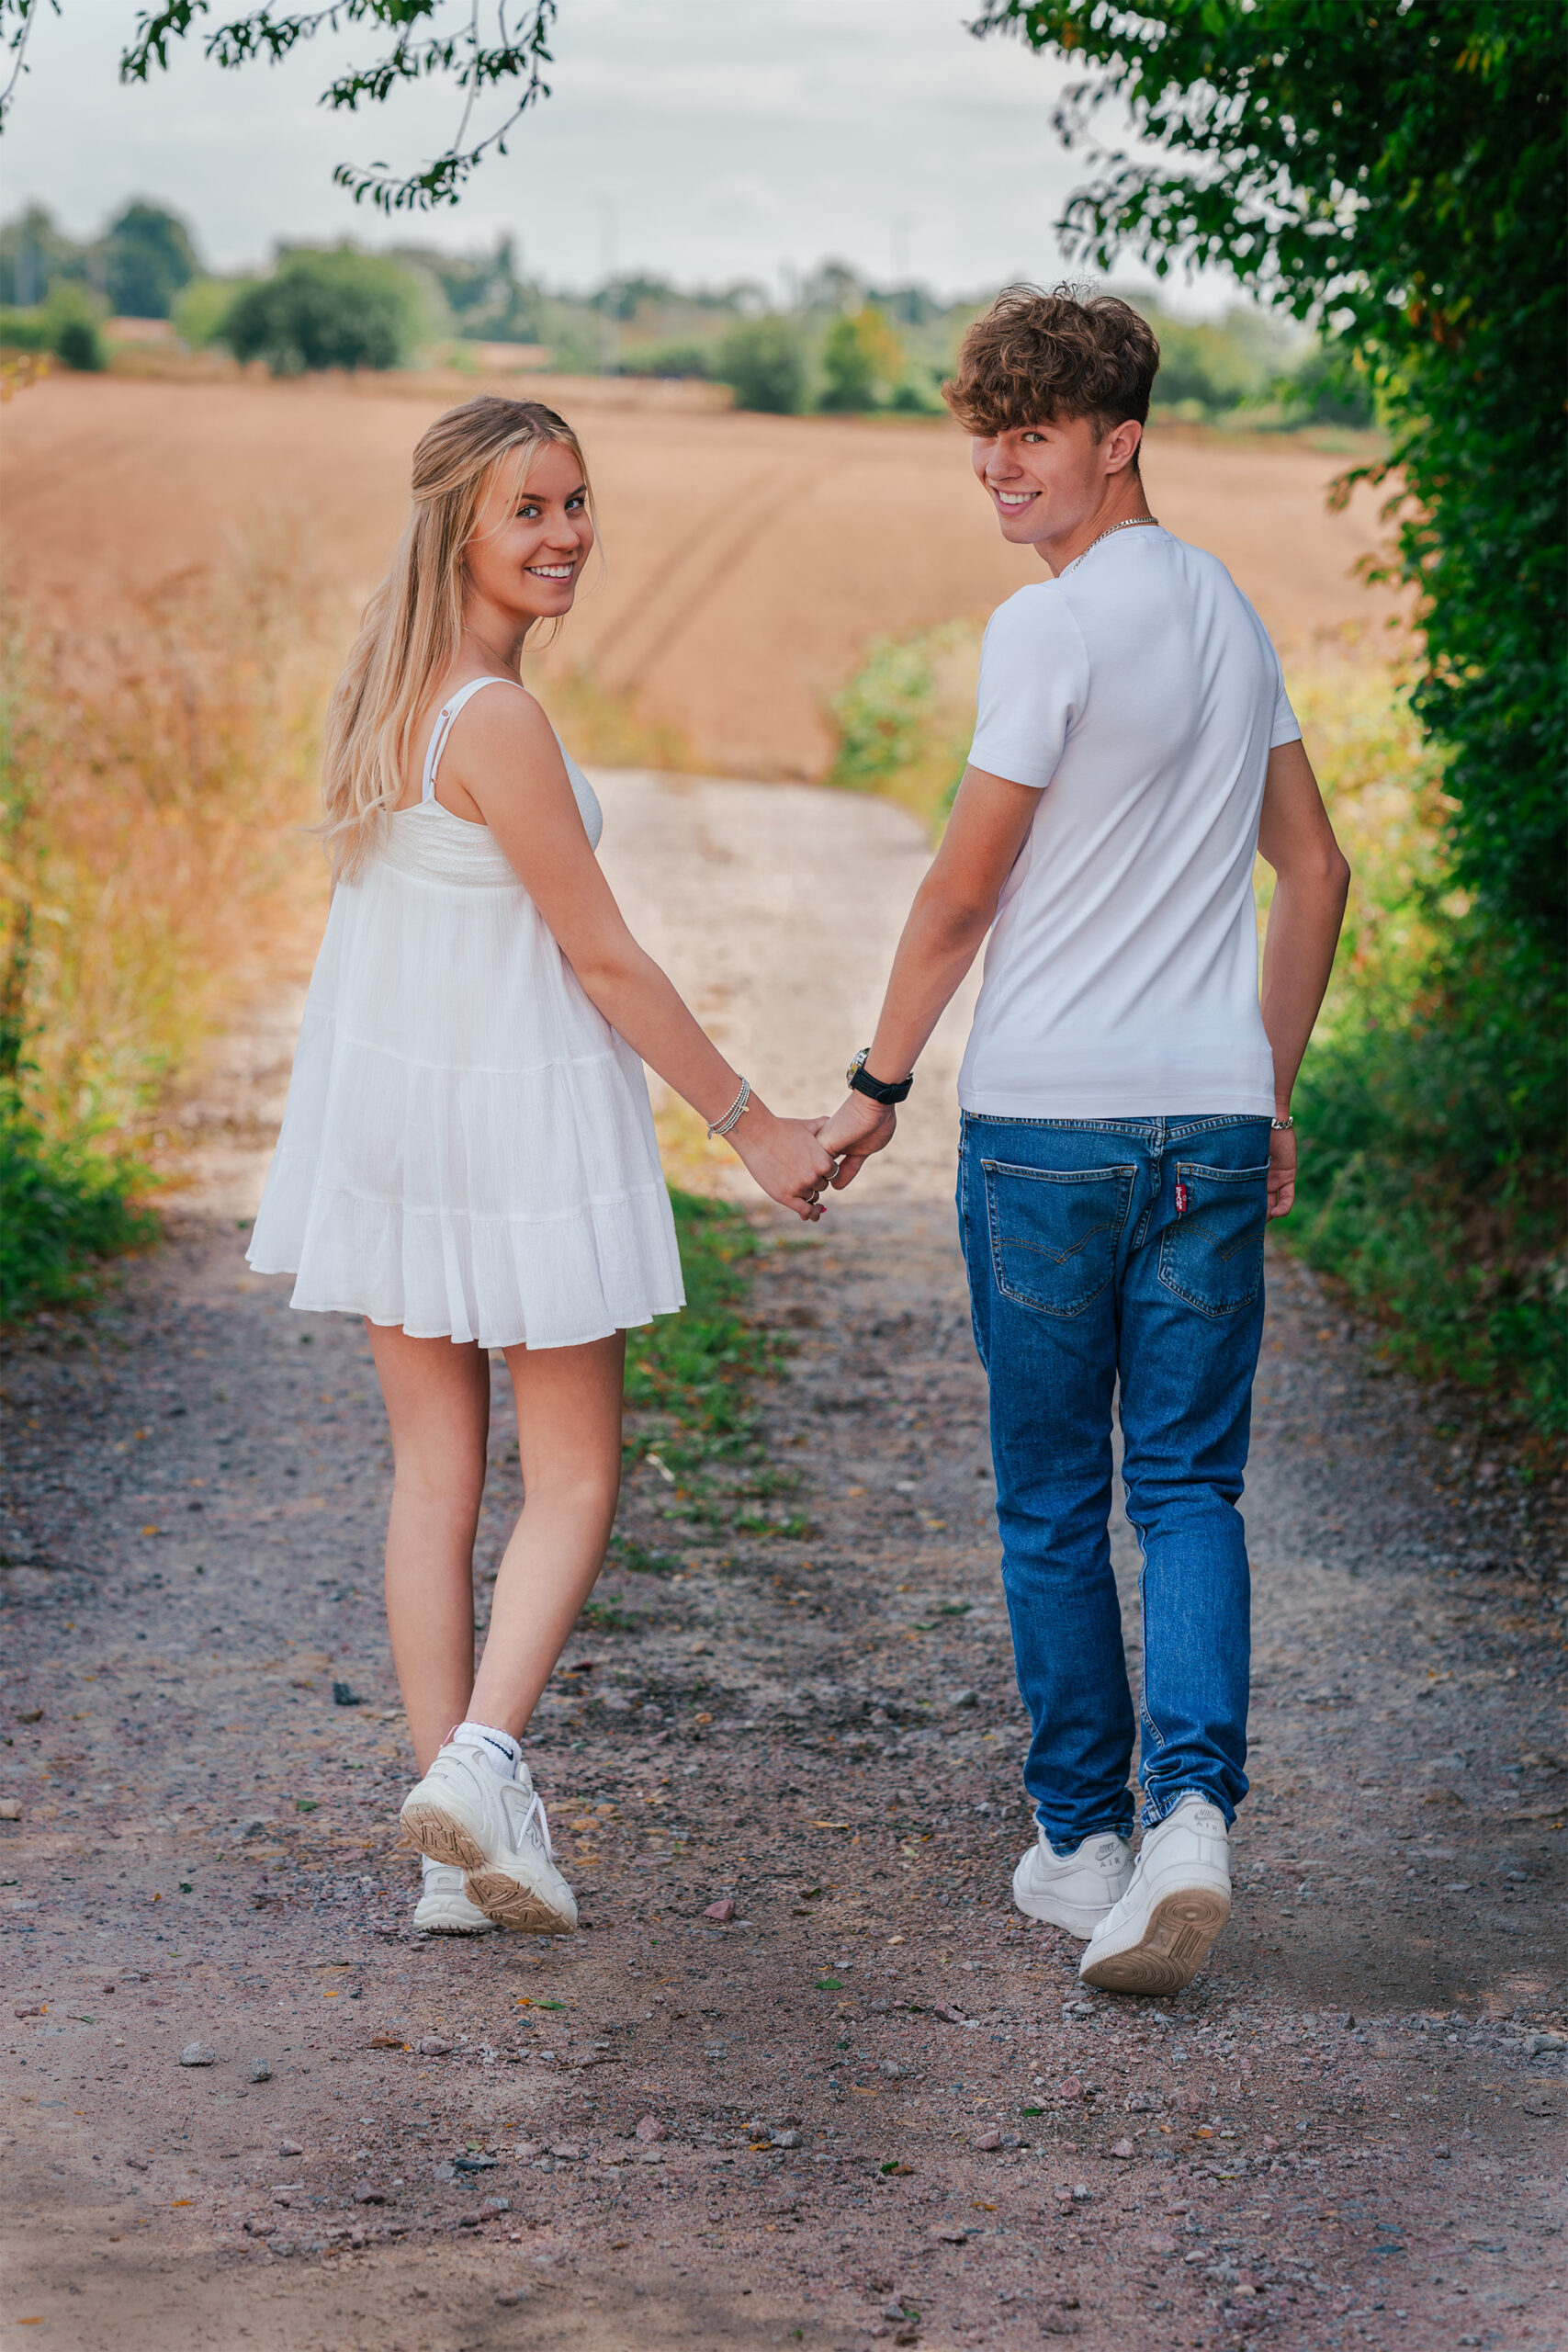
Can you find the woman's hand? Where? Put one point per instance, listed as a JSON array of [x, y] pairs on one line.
[[785, 1158]]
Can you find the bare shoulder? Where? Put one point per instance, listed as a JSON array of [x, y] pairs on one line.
[[509, 720], [504, 742]]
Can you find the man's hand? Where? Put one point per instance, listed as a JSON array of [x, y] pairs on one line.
[[1281, 1171], [857, 1128]]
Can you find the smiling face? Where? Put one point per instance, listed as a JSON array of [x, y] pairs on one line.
[[529, 544], [1050, 484]]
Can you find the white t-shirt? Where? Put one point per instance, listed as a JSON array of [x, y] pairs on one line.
[[1140, 695]]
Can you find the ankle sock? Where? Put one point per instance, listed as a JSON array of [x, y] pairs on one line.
[[500, 1751]]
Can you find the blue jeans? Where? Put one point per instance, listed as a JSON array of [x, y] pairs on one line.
[[1129, 1250]]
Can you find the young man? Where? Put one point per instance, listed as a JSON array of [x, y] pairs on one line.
[[1126, 1110]]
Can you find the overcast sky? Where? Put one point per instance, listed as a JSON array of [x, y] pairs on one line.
[[710, 138]]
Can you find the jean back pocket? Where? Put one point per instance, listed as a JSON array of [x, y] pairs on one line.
[[1212, 1254], [1054, 1232]]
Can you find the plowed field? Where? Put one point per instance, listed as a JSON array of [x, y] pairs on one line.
[[748, 558]]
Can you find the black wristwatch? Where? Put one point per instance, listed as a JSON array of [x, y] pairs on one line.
[[862, 1081]]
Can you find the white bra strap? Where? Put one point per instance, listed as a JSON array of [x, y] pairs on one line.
[[442, 726]]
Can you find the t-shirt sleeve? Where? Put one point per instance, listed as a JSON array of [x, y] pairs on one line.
[[1034, 683], [1286, 726]]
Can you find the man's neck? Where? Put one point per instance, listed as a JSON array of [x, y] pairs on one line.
[[1125, 504]]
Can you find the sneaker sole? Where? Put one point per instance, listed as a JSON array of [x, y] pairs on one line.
[[1181, 1932], [444, 1924], [505, 1900]]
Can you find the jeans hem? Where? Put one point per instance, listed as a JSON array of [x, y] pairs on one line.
[[1158, 1806]]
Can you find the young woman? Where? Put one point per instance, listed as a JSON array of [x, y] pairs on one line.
[[468, 1156]]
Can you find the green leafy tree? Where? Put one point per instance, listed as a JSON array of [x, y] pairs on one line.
[[327, 310], [426, 39], [764, 364], [34, 255], [147, 258], [1395, 169], [861, 361]]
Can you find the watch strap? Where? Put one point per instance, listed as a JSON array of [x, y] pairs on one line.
[[878, 1090]]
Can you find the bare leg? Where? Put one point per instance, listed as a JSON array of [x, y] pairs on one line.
[[438, 1398], [569, 1435]]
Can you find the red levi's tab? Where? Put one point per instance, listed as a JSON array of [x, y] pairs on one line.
[[1181, 1200]]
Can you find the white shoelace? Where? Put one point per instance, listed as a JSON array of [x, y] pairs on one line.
[[539, 1807]]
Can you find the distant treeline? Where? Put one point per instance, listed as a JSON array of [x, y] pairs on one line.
[[840, 343]]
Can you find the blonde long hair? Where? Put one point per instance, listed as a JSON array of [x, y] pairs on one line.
[[414, 624]]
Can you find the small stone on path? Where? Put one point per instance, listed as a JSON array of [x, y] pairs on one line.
[[197, 2053], [259, 2071], [648, 2128], [432, 2046], [723, 1912]]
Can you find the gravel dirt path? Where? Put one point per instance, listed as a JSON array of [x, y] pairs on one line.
[[247, 2108]]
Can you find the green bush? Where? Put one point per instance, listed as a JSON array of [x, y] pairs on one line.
[[905, 720], [24, 330], [63, 1208], [699, 1366], [670, 359], [1430, 1179], [1328, 388], [67, 324], [63, 1205], [863, 359], [200, 315], [328, 310], [763, 362]]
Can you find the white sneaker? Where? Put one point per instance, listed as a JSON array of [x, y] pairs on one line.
[[494, 1831], [444, 1909], [1159, 1935], [1077, 1894]]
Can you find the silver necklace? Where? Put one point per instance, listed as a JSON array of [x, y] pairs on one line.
[[1132, 523]]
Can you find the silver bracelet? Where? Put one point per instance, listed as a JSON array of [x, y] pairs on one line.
[[733, 1116], [1283, 1126]]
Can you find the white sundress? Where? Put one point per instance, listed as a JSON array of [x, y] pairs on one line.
[[467, 1150]]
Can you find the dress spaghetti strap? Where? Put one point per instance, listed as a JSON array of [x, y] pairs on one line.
[[442, 726]]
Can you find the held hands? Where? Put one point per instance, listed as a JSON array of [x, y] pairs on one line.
[[857, 1128], [785, 1158]]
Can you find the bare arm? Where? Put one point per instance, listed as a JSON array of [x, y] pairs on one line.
[[1312, 881], [953, 910], [508, 764]]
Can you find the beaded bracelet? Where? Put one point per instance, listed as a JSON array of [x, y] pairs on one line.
[[732, 1116]]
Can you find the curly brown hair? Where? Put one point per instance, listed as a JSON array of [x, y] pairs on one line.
[[1036, 357]]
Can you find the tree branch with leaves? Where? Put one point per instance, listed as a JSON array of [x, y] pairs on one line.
[[496, 50]]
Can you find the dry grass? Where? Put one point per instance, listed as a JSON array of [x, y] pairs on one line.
[[750, 560], [159, 776]]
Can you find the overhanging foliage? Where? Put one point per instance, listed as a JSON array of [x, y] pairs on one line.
[[427, 39]]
